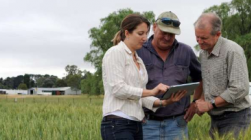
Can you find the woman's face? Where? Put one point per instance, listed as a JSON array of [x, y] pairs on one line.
[[136, 39]]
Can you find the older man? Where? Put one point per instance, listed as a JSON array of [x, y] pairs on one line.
[[169, 62], [225, 78]]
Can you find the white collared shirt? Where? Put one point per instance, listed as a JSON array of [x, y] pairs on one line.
[[124, 84]]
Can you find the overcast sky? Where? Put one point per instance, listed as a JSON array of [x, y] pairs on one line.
[[43, 36]]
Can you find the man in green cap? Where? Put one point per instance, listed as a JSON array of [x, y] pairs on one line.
[[169, 62]]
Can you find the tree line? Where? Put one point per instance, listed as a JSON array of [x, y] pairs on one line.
[[26, 81]]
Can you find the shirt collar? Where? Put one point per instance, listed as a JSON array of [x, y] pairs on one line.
[[216, 49], [121, 43], [128, 51]]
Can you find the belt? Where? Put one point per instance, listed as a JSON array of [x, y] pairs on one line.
[[109, 117], [158, 118]]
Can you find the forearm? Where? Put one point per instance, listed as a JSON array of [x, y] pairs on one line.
[[157, 103], [205, 106], [147, 93], [220, 102], [162, 103], [198, 92]]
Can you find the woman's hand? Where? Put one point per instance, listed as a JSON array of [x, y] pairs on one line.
[[174, 98], [159, 89]]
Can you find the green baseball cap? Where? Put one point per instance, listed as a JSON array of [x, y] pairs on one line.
[[168, 22]]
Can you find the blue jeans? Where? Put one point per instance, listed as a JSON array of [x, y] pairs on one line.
[[121, 129], [233, 122], [168, 129]]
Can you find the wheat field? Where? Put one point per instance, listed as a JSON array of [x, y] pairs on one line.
[[69, 118]]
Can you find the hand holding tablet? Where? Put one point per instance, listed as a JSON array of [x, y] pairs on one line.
[[189, 87]]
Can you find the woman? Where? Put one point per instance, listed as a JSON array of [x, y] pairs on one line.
[[124, 79]]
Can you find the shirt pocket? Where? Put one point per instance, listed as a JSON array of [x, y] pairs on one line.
[[179, 73], [219, 75]]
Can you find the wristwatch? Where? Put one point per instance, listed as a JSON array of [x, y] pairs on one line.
[[160, 103], [213, 103], [194, 100]]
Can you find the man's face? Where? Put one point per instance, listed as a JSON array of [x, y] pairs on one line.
[[205, 39], [162, 40]]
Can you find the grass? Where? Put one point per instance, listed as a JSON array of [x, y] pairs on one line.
[[69, 118], [50, 120]]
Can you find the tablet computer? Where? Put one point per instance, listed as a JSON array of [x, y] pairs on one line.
[[189, 87]]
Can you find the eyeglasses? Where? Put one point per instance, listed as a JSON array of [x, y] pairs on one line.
[[169, 21]]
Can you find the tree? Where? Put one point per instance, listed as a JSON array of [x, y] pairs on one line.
[[27, 80], [45, 80], [89, 84], [18, 80], [9, 83], [72, 70], [86, 82], [40, 81], [22, 86], [48, 83], [74, 82], [73, 77], [61, 83], [101, 42], [2, 86]]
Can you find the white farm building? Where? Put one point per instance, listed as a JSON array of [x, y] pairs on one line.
[[13, 91], [53, 91]]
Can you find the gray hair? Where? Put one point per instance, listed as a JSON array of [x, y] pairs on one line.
[[209, 18]]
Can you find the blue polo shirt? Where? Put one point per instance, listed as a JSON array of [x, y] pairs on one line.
[[180, 63]]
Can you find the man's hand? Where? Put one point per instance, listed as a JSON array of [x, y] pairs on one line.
[[203, 106], [174, 98], [190, 111]]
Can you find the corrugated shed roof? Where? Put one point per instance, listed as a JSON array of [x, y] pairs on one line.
[[51, 89]]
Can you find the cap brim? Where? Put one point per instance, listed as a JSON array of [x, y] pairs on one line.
[[169, 29]]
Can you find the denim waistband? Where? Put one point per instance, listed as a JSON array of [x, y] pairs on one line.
[[117, 118], [159, 118], [229, 113]]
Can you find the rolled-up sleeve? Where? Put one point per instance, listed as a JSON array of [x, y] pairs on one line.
[[238, 78], [113, 65]]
